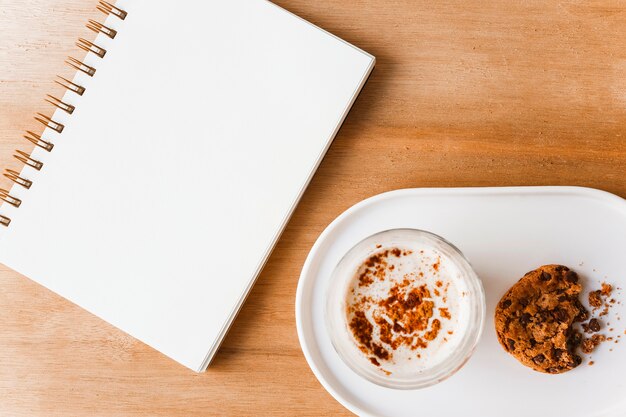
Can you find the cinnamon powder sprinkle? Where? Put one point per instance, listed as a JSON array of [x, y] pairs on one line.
[[376, 264], [362, 329], [403, 318], [432, 334]]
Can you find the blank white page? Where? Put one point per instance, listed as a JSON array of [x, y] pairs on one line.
[[174, 177]]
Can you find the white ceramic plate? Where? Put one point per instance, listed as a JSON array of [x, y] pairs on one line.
[[504, 232]]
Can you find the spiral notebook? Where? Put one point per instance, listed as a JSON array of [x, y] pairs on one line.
[[172, 163]]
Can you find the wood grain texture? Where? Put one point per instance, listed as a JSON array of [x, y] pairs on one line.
[[464, 94]]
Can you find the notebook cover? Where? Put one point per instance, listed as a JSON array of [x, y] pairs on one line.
[[180, 166]]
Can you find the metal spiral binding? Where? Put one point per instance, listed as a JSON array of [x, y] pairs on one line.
[[26, 159], [100, 28], [80, 66], [67, 108], [88, 46], [68, 85], [38, 141], [47, 121], [15, 177], [108, 8], [8, 198]]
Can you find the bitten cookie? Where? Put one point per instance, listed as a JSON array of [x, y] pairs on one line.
[[534, 319]]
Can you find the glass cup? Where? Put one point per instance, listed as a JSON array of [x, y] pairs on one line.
[[408, 375]]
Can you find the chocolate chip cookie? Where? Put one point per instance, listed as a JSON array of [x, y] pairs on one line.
[[534, 319]]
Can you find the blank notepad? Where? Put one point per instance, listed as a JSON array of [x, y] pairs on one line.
[[179, 168]]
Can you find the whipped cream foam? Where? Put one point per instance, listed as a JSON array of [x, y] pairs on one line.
[[406, 307]]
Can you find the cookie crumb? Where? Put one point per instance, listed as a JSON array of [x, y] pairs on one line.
[[592, 327], [591, 363], [590, 344], [595, 299], [606, 289]]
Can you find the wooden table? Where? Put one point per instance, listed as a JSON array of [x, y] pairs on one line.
[[464, 94]]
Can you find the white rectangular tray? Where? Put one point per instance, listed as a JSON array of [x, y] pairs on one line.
[[504, 232]]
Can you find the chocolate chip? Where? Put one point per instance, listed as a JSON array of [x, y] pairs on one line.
[[562, 298], [556, 354], [574, 340], [507, 324], [545, 276], [505, 304], [577, 361], [583, 314], [560, 315], [532, 342], [525, 318], [539, 359], [571, 276], [511, 344], [541, 316], [553, 370], [560, 268], [524, 302], [594, 325]]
